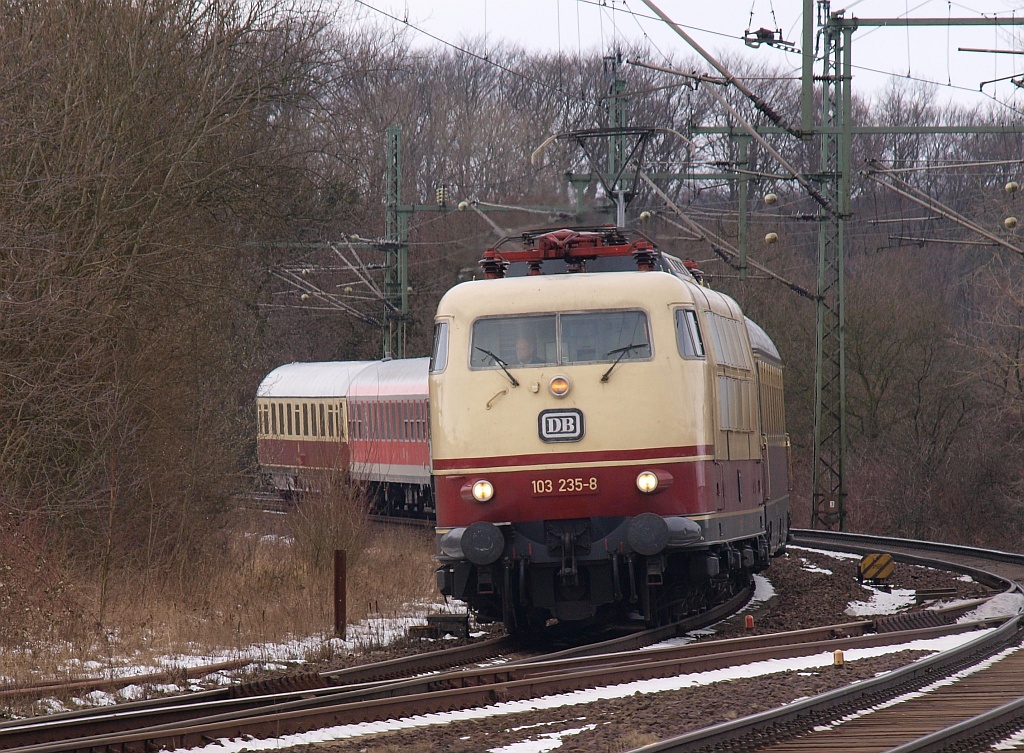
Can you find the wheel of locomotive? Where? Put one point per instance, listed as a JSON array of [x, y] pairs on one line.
[[676, 596], [526, 624]]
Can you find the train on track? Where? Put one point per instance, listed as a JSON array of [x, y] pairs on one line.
[[606, 434], [320, 424], [605, 444]]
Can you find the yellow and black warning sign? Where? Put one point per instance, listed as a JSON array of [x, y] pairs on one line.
[[877, 566]]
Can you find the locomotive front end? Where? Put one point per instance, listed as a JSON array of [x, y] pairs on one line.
[[574, 425]]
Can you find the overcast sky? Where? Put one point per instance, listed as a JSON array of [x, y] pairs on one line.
[[878, 54]]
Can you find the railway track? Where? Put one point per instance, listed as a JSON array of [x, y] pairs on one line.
[[398, 688], [364, 694], [187, 725], [356, 694], [959, 700]]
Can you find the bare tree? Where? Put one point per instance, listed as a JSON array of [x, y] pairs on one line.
[[145, 147]]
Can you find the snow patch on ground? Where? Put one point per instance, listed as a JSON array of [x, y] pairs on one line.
[[756, 669], [882, 602]]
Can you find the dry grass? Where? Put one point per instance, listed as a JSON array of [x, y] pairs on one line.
[[255, 584]]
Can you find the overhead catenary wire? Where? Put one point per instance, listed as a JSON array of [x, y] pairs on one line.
[[483, 58], [954, 165], [901, 187], [800, 178], [328, 300], [758, 101], [719, 245]]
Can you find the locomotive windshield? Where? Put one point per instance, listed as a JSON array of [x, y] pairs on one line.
[[560, 339]]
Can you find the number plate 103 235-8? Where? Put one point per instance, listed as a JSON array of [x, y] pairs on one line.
[[572, 485]]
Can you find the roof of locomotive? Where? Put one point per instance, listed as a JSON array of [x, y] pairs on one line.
[[401, 376], [323, 379], [579, 291], [760, 342]]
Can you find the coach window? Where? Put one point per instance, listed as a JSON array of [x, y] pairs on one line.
[[355, 418], [273, 419], [688, 334], [439, 354]]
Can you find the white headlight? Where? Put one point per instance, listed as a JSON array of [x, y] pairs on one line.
[[484, 490], [647, 482]]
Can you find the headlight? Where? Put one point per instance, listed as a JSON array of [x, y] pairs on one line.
[[483, 490], [559, 386], [647, 482]]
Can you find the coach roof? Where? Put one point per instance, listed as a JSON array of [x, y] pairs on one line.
[[324, 379], [399, 377]]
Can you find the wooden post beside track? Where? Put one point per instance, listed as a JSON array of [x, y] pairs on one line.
[[340, 595]]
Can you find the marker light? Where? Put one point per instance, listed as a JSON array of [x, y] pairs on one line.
[[483, 490], [559, 386], [647, 482]]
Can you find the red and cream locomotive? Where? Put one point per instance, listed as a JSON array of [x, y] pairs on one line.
[[604, 444]]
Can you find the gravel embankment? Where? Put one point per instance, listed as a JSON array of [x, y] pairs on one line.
[[805, 597]]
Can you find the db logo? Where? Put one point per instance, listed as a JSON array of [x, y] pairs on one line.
[[560, 425]]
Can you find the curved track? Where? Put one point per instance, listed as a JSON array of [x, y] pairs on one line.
[[371, 693], [358, 694], [956, 700]]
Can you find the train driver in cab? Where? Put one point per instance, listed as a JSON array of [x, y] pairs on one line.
[[526, 350]]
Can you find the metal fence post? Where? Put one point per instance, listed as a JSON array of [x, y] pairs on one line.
[[340, 595]]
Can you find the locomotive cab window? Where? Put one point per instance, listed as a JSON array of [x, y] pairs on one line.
[[561, 339], [439, 354], [688, 334], [514, 341]]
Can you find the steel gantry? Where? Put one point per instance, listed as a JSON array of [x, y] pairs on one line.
[[830, 187], [828, 489]]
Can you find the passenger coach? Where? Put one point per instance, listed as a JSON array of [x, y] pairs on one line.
[[302, 419], [320, 423]]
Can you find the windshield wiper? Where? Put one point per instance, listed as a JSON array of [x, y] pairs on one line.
[[502, 364], [622, 354]]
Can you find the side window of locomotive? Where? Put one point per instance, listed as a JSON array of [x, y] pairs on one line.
[[688, 338], [439, 354], [515, 340], [605, 336]]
